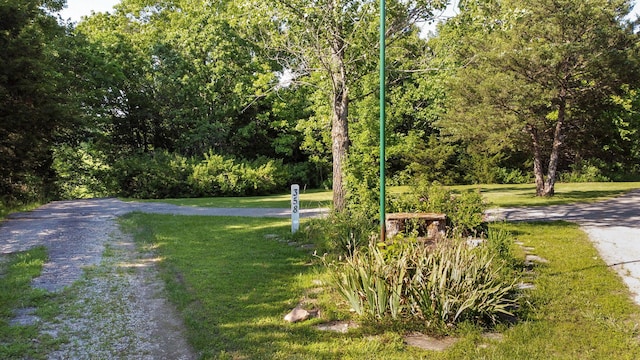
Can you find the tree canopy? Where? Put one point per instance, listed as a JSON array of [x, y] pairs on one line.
[[506, 91]]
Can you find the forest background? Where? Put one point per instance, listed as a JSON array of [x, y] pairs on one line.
[[181, 98]]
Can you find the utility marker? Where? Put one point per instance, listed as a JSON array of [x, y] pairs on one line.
[[295, 208]]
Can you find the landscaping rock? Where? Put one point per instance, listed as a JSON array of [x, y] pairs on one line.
[[429, 343], [337, 326], [300, 314], [535, 259]]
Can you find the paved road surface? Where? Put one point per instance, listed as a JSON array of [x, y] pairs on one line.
[[613, 226]]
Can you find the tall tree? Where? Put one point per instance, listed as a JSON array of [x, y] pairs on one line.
[[182, 78], [528, 67], [332, 43], [33, 95]]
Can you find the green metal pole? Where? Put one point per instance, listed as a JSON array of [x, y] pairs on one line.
[[383, 17]]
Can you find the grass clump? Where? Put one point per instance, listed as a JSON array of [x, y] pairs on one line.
[[16, 272]]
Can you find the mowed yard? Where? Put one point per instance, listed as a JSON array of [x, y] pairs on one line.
[[234, 279]]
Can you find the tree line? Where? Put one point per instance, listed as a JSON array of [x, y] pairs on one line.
[[178, 98]]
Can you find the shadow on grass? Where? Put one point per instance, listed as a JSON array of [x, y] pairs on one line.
[[234, 285]]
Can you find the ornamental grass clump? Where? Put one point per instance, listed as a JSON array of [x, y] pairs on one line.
[[454, 283], [434, 286]]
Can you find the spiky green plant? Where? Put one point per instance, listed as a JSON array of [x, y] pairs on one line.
[[442, 285]]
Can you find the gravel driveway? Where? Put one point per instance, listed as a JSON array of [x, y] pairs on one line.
[[119, 308], [612, 225]]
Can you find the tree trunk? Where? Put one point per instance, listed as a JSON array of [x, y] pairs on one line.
[[537, 160], [549, 186], [340, 147], [339, 124]]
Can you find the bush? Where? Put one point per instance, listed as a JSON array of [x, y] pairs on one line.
[[436, 287], [464, 211], [339, 234], [218, 176], [512, 176], [585, 171], [162, 174], [155, 175], [81, 173]]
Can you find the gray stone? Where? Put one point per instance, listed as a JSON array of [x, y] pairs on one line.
[[337, 326], [300, 314], [429, 343]]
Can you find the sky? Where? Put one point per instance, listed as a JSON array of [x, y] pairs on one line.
[[78, 8]]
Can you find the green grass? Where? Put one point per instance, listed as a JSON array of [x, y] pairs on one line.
[[16, 272], [309, 199], [495, 195], [233, 287], [566, 193], [6, 209]]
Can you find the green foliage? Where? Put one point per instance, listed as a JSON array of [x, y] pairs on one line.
[[338, 234], [160, 174], [36, 97], [585, 171], [217, 175], [512, 176], [511, 91], [81, 173], [464, 210], [153, 175], [436, 287], [455, 283]]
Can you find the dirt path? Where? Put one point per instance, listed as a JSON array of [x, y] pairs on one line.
[[613, 226], [117, 307]]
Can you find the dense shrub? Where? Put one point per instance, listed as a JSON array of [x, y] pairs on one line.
[[585, 171], [436, 287], [167, 175], [512, 176], [153, 175], [217, 175], [464, 211], [80, 173]]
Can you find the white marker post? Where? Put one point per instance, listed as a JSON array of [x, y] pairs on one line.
[[295, 208]]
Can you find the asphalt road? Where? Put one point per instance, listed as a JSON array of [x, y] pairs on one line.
[[613, 226]]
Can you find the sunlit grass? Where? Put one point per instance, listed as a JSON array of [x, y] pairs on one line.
[[309, 199], [16, 271], [233, 286], [6, 209], [566, 193], [495, 195]]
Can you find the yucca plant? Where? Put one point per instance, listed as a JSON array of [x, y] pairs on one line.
[[453, 283], [371, 283], [442, 285]]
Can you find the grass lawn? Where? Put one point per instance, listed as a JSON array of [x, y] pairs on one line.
[[233, 285], [309, 199], [496, 196], [16, 271], [566, 193], [6, 210]]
